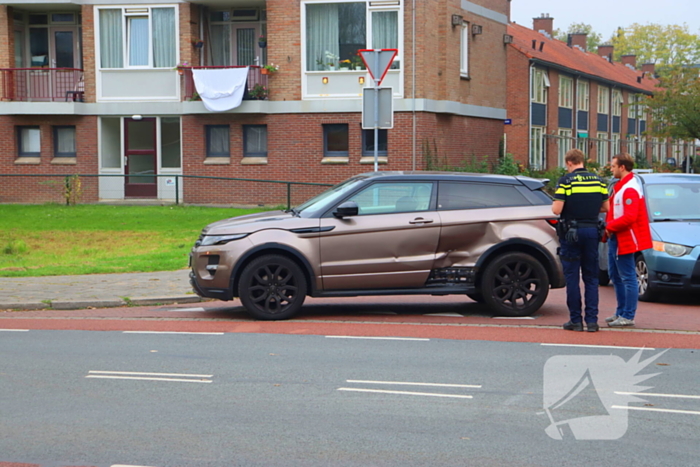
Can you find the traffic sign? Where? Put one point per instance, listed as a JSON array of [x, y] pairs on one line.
[[385, 112], [378, 62]]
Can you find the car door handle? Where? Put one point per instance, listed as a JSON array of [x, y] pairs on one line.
[[420, 220]]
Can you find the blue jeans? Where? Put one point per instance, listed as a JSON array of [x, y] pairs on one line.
[[581, 259], [624, 278]]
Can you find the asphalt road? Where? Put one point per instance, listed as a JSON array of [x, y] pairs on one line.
[[250, 399]]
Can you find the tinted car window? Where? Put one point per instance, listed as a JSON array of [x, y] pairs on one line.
[[454, 195], [386, 198], [674, 201]]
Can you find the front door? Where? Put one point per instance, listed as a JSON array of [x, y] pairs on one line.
[[140, 158], [246, 45]]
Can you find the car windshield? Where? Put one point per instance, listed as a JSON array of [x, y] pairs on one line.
[[319, 201], [673, 201]]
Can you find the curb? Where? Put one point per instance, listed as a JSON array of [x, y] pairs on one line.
[[82, 304]]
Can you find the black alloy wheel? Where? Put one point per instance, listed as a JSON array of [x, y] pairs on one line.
[[272, 287], [515, 284]]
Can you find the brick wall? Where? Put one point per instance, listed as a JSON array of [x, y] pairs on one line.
[[18, 189], [88, 47], [295, 152], [518, 97]]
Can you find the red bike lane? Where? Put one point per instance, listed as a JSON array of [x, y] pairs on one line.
[[659, 325]]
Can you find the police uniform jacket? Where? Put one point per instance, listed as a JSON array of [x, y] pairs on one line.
[[583, 193]]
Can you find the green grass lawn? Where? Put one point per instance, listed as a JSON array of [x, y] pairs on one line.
[[51, 239]]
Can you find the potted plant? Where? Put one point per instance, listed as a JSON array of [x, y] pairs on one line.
[[197, 43], [357, 63], [258, 92], [269, 69], [345, 64], [262, 41], [331, 60], [180, 67]]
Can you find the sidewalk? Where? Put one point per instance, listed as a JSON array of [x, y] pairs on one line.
[[95, 290]]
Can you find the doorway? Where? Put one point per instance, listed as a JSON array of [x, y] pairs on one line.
[[140, 158]]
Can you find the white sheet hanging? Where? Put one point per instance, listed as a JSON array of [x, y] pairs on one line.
[[221, 89]]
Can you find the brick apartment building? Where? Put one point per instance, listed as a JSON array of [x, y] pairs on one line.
[[561, 96], [106, 90]]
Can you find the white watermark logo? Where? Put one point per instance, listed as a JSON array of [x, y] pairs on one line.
[[581, 390]]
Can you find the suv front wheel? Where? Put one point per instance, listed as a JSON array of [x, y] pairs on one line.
[[515, 284], [272, 287]]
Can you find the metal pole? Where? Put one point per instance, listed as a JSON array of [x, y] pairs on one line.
[[376, 111], [177, 190], [289, 196]]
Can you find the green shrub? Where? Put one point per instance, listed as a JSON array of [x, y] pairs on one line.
[[15, 247], [507, 166]]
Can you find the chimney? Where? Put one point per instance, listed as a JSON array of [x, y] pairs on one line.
[[544, 24], [629, 60], [606, 51], [649, 69], [578, 39]]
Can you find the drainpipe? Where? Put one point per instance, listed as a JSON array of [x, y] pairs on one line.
[[529, 117], [574, 110], [413, 80], [201, 34]]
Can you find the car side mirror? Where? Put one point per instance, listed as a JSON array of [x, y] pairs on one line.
[[346, 209]]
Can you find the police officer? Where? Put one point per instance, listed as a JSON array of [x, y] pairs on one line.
[[578, 199]]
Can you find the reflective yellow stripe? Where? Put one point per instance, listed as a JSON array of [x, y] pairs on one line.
[[586, 189]]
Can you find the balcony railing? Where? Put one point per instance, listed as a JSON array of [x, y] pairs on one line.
[[255, 77], [41, 84]]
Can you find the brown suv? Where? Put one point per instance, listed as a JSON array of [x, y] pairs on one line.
[[490, 237]]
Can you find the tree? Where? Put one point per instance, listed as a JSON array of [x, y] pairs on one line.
[[593, 40], [663, 45], [676, 105]]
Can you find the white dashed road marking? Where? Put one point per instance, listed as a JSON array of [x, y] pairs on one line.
[[406, 393], [135, 375], [173, 332], [401, 383], [599, 346]]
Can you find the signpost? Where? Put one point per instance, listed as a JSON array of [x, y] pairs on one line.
[[377, 62]]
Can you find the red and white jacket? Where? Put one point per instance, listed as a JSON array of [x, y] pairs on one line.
[[628, 217]]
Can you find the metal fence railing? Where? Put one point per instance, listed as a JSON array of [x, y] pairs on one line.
[[41, 84], [255, 77], [242, 187]]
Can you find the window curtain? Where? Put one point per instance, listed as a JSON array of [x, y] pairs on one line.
[[31, 140], [245, 46], [218, 141], [138, 40], [220, 45], [385, 30], [321, 34], [66, 140], [256, 140], [164, 41], [111, 53]]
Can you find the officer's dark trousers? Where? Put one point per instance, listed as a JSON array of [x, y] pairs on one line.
[[581, 259]]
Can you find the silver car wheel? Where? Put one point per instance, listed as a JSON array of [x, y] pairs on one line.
[[642, 275]]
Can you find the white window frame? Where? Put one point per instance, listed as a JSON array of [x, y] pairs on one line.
[[369, 9], [583, 89], [602, 146], [464, 50], [566, 143], [566, 92], [125, 34], [540, 83], [617, 100], [603, 100], [632, 106], [615, 143], [538, 152]]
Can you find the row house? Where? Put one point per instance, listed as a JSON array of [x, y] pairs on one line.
[[113, 91], [561, 96]]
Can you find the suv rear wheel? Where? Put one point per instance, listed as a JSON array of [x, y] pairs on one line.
[[272, 287], [515, 284]]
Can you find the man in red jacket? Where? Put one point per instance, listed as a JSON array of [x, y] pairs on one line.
[[627, 228]]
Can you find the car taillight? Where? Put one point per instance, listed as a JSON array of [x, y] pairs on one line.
[[553, 222]]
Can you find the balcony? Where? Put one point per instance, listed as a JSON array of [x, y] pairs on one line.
[[41, 84], [255, 77]]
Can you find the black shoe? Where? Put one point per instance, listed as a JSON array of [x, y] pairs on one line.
[[592, 327], [573, 326]]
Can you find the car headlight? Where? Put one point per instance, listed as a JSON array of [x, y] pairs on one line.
[[220, 239], [672, 248]]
